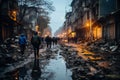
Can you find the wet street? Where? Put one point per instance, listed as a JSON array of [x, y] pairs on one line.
[[59, 39], [62, 62], [49, 66]]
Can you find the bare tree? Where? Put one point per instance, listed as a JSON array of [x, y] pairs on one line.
[[38, 7], [43, 22]]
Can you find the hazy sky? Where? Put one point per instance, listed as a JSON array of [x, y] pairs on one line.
[[58, 16]]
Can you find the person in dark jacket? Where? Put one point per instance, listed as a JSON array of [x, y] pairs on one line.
[[48, 41], [22, 43], [36, 41]]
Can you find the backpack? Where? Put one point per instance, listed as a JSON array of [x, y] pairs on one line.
[[22, 40], [35, 40]]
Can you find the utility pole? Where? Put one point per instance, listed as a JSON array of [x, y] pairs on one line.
[[90, 16]]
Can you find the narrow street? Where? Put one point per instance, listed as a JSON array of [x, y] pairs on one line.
[[61, 62], [49, 66], [59, 39]]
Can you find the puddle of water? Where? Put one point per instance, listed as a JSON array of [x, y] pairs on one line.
[[53, 69], [58, 69]]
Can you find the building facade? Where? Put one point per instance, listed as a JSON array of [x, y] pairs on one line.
[[84, 13], [96, 19], [109, 21], [8, 10]]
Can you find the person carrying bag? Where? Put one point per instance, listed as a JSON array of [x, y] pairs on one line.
[[36, 41]]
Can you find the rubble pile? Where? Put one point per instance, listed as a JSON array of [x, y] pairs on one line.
[[104, 46], [110, 50], [10, 55], [8, 52], [84, 69]]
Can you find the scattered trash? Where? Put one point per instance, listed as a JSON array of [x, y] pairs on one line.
[[90, 69]]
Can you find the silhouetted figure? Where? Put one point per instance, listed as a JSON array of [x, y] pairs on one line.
[[36, 71], [53, 41], [48, 41], [36, 41], [75, 39], [22, 43], [56, 40]]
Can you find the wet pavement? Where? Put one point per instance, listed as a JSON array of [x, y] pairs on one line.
[[63, 62], [57, 69], [49, 66]]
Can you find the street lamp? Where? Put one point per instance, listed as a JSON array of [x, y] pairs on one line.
[[89, 22], [89, 25]]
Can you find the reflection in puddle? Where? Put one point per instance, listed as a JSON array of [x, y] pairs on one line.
[[42, 69], [58, 68], [12, 75], [36, 71]]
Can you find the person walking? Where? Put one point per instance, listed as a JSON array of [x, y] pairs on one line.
[[22, 43], [48, 41], [53, 41], [36, 41]]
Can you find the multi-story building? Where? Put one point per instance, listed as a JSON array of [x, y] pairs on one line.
[[7, 18], [96, 19], [84, 12], [109, 19], [76, 17], [68, 27]]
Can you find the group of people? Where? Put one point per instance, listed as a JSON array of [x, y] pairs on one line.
[[36, 42], [51, 41]]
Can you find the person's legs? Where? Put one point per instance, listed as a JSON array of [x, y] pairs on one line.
[[35, 52], [50, 45], [47, 45], [22, 49]]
